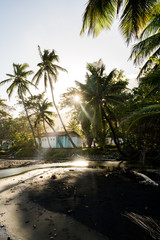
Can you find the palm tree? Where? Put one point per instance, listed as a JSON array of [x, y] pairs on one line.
[[3, 109], [100, 93], [19, 80], [148, 45], [80, 112], [50, 72], [100, 14], [45, 116]]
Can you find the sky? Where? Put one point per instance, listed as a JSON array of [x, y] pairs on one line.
[[56, 25]]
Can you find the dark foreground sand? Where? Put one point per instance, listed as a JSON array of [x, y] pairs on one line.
[[76, 203]]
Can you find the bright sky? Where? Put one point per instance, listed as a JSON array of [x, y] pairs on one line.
[[56, 25]]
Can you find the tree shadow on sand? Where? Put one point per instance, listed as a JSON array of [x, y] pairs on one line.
[[100, 201]]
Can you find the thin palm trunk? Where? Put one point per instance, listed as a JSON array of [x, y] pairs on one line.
[[35, 143], [55, 134], [113, 132], [39, 138], [54, 104], [46, 134]]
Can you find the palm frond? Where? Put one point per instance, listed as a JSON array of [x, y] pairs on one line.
[[110, 77], [134, 17], [99, 14], [59, 68], [145, 112], [40, 53], [144, 48], [10, 89], [152, 28], [37, 76], [6, 81], [152, 79]]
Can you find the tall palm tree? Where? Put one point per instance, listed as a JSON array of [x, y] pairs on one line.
[[100, 14], [19, 81], [149, 43], [100, 93], [49, 70], [79, 110]]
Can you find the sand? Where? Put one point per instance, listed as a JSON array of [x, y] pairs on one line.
[[23, 219], [75, 204]]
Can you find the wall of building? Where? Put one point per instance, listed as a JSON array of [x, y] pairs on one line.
[[77, 141], [52, 141], [64, 140]]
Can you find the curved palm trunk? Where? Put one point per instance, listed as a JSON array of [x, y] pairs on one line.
[[60, 116], [46, 134], [35, 143], [114, 134], [55, 133]]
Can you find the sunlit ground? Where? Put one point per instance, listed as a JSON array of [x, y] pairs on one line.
[[80, 163]]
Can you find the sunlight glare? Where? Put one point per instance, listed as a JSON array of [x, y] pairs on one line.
[[80, 163], [76, 98]]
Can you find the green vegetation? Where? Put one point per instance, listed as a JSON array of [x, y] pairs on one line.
[[104, 108]]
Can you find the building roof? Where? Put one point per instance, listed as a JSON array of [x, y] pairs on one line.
[[62, 133]]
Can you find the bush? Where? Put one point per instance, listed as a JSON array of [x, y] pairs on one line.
[[25, 153]]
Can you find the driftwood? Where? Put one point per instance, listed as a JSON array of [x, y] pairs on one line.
[[146, 180]]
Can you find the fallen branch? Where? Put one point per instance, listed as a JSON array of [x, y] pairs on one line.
[[147, 180]]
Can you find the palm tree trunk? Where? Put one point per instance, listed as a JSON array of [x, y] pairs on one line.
[[46, 134], [55, 134], [114, 134], [39, 138], [70, 139], [35, 143]]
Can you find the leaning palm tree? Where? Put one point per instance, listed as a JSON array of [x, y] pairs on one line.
[[19, 81], [49, 70], [100, 14]]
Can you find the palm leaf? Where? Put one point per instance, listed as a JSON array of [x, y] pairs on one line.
[[37, 76], [6, 81], [134, 17], [144, 48], [145, 112], [10, 89], [99, 14]]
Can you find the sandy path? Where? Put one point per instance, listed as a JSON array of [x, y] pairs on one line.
[[24, 220]]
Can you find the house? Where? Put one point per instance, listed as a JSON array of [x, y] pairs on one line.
[[53, 139], [5, 144]]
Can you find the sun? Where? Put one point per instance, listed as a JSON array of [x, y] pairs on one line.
[[76, 98]]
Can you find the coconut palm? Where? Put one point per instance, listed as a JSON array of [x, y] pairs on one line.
[[39, 108], [100, 93], [79, 111], [4, 108], [45, 116], [19, 81], [149, 44], [49, 70], [100, 14]]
